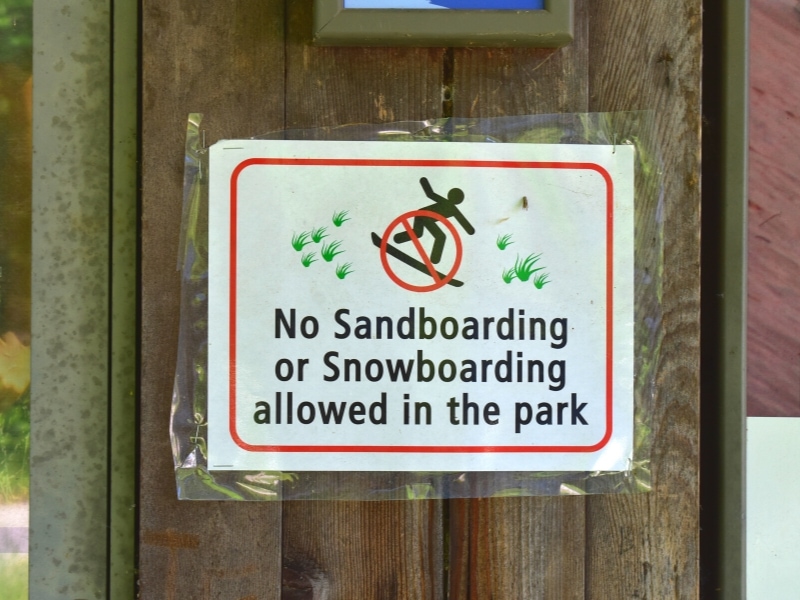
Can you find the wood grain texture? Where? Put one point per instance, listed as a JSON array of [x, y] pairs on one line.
[[343, 550], [250, 70], [498, 82], [328, 86], [519, 547], [227, 64], [773, 274], [381, 550], [646, 546]]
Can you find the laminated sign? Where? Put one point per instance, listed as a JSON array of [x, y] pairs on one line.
[[378, 306]]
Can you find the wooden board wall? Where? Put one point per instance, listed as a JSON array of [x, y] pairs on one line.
[[249, 67]]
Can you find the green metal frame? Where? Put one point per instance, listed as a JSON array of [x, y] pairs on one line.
[[83, 375], [123, 434], [336, 26], [733, 342], [724, 289]]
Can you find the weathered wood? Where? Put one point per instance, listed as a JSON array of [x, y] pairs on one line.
[[228, 64], [364, 549], [773, 319], [252, 70], [646, 546], [638, 60], [520, 547], [517, 548], [339, 86], [360, 549], [498, 82]]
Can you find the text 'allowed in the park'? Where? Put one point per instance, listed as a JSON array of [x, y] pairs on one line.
[[378, 306]]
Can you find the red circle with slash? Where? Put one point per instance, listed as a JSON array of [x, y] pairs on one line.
[[439, 279]]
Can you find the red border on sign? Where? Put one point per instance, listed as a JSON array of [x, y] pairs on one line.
[[474, 164]]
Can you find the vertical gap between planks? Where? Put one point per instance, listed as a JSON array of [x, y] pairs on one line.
[[285, 64], [448, 93], [448, 76], [446, 537], [587, 530], [447, 111]]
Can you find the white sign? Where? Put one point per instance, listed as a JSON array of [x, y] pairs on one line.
[[387, 306]]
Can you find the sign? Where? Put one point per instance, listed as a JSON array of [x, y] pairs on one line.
[[379, 306]]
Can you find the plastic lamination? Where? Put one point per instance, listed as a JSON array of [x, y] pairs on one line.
[[188, 420]]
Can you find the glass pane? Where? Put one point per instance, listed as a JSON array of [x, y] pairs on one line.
[[451, 4], [15, 297]]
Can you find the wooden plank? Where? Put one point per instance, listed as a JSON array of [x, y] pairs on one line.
[[646, 546], [340, 549], [363, 550], [498, 82], [235, 71], [519, 547], [338, 86], [227, 64], [773, 348]]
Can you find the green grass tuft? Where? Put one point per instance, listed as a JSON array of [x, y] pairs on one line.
[[307, 259], [300, 241], [524, 268], [318, 234], [541, 280], [343, 271], [509, 275], [340, 217], [504, 241], [330, 251]]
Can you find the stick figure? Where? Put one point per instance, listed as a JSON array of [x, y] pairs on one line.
[[442, 206]]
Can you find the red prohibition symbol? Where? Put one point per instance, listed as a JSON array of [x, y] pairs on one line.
[[423, 265]]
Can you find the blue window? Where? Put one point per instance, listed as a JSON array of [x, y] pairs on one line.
[[448, 4]]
